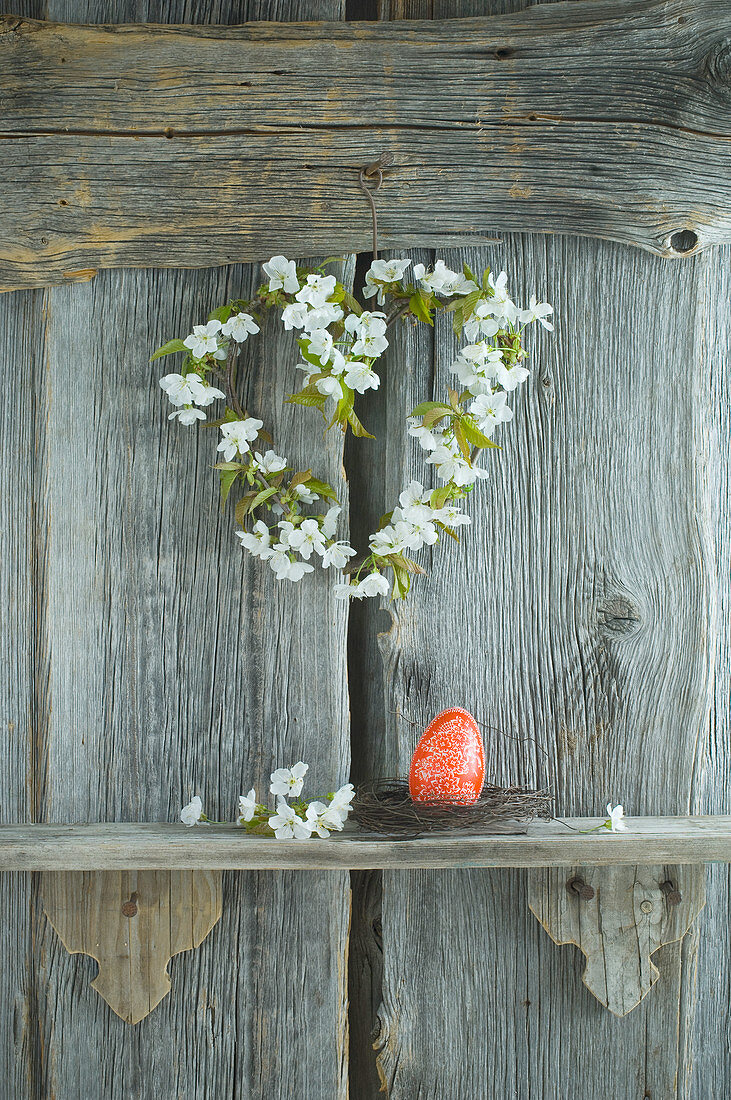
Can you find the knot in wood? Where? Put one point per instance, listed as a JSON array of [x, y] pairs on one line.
[[619, 617], [646, 906]]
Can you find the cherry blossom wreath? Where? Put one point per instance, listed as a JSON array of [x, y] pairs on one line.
[[340, 344]]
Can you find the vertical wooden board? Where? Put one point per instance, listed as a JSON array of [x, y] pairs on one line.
[[576, 613], [707, 1033], [22, 660], [176, 665]]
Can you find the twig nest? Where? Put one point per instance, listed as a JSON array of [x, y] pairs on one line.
[[385, 806], [448, 764]]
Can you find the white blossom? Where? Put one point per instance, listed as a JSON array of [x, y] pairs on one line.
[[500, 304], [330, 522], [257, 541], [414, 493], [288, 825], [446, 282], [192, 813], [282, 274], [247, 806], [342, 798], [417, 527], [481, 322], [490, 410], [337, 554], [187, 415], [306, 538], [237, 435], [288, 781], [323, 819], [429, 438], [240, 327], [322, 316], [375, 584], [383, 271], [188, 389], [451, 516], [285, 568], [371, 344], [269, 462], [204, 340], [295, 314], [317, 290], [366, 323], [330, 386], [510, 375], [320, 345], [387, 541], [537, 311], [305, 495], [616, 818], [359, 377], [451, 466]]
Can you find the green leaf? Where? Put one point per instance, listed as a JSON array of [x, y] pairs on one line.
[[262, 496], [228, 466], [402, 580], [243, 507], [467, 273], [433, 417], [406, 564], [357, 428], [469, 302], [385, 520], [459, 435], [474, 435], [311, 400], [352, 303], [228, 477], [449, 530], [338, 294], [221, 314], [307, 355], [427, 406], [485, 283], [321, 488], [440, 496], [419, 308], [331, 260], [301, 478], [168, 349]]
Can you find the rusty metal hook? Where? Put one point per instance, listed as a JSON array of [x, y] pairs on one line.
[[368, 174]]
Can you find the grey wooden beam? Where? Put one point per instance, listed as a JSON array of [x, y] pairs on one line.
[[117, 846], [190, 146]]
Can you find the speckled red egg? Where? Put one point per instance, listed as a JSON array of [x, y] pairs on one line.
[[449, 762]]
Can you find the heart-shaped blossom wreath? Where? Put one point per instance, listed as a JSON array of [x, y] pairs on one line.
[[340, 344]]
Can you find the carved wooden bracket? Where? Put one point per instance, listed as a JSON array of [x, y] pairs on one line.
[[132, 923], [618, 916]]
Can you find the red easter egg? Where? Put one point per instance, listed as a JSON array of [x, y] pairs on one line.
[[449, 762]]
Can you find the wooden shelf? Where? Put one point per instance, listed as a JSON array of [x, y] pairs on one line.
[[114, 846]]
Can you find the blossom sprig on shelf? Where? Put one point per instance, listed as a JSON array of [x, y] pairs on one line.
[[340, 343], [293, 818]]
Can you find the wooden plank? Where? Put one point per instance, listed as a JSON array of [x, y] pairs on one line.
[[577, 611], [163, 646], [118, 845], [108, 160]]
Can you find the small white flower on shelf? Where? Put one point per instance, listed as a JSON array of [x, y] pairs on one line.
[[615, 821], [294, 315], [306, 538], [321, 316], [247, 806], [288, 781], [187, 416], [282, 274], [285, 568], [337, 555], [257, 541], [316, 290], [240, 327], [287, 824], [375, 584], [269, 462], [490, 410], [204, 341], [188, 389], [342, 798], [193, 812], [360, 377], [323, 819], [321, 345]]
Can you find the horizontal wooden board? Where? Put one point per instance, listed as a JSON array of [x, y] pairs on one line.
[[192, 146], [116, 845]]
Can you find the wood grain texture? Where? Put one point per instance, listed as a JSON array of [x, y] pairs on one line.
[[621, 927], [609, 119], [579, 611], [172, 666], [116, 845], [132, 923]]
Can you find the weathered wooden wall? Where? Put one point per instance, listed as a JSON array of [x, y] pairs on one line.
[[587, 608], [610, 119], [143, 659], [582, 612]]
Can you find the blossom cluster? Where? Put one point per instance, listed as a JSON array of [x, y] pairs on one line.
[[296, 819], [340, 344]]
